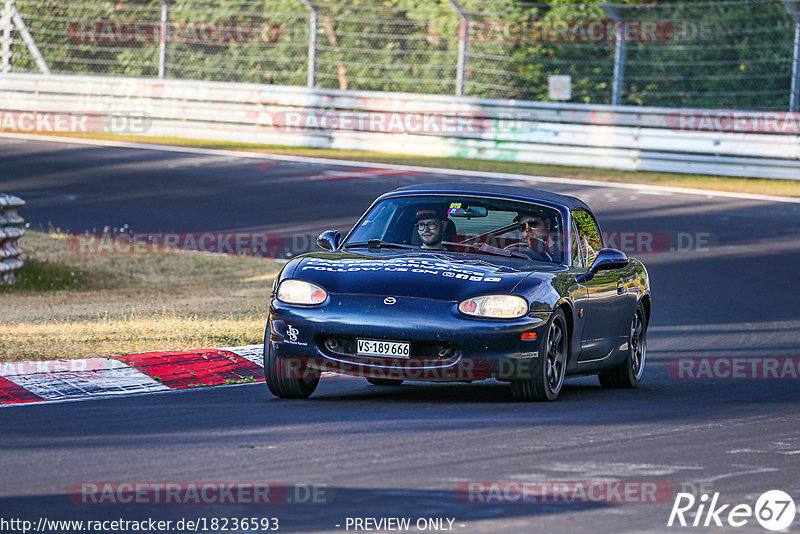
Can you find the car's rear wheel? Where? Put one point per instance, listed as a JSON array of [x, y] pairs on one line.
[[288, 378], [385, 381], [550, 367], [629, 373]]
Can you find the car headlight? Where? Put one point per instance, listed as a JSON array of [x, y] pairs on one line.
[[495, 306], [293, 291]]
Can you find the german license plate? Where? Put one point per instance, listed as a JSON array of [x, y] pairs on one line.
[[377, 347]]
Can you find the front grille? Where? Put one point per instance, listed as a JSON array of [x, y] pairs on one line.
[[423, 353]]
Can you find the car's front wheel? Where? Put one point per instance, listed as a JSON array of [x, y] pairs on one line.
[[629, 373], [288, 378], [548, 372]]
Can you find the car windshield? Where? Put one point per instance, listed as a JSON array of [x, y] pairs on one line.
[[463, 224]]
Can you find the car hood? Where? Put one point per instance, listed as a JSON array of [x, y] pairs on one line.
[[416, 275]]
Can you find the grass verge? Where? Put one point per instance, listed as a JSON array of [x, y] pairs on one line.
[[760, 186], [67, 305]]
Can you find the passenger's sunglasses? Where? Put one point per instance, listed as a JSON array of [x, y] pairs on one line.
[[429, 226]]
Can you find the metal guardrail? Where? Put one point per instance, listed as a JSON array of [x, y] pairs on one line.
[[10, 232], [615, 137]]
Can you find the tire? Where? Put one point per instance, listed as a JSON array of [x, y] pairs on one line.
[[629, 373], [550, 367], [282, 375], [385, 381]]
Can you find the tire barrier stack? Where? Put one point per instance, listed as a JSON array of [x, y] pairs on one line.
[[10, 232]]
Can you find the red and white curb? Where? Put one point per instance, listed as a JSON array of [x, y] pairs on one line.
[[56, 380]]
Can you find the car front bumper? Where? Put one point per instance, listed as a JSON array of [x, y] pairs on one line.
[[445, 344]]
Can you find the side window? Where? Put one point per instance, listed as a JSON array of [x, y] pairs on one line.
[[589, 236], [577, 257], [376, 223]]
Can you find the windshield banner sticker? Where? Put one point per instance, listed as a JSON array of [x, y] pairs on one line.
[[416, 266]]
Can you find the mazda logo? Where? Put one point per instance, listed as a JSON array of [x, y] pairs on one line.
[[389, 301]]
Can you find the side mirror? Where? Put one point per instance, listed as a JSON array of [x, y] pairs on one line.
[[607, 259], [329, 240]]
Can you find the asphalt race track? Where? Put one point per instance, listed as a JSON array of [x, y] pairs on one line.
[[404, 451]]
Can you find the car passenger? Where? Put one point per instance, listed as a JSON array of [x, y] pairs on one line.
[[431, 224]]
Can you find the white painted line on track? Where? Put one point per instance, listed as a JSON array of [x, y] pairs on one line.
[[751, 471], [430, 170]]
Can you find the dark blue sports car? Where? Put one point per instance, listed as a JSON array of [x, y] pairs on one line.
[[461, 282]]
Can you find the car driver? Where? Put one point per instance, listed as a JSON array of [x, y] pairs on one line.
[[534, 226]]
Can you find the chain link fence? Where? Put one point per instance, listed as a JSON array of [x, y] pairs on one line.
[[727, 54]]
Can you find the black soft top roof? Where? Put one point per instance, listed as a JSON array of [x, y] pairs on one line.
[[526, 193]]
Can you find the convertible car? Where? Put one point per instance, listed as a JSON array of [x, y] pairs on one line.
[[461, 282]]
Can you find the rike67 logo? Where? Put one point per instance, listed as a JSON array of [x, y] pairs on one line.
[[774, 510]]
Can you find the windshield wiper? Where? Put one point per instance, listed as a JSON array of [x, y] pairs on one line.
[[430, 253], [488, 249], [377, 243], [480, 247], [485, 263]]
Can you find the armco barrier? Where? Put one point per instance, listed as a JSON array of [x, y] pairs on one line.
[[615, 137], [10, 232]]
